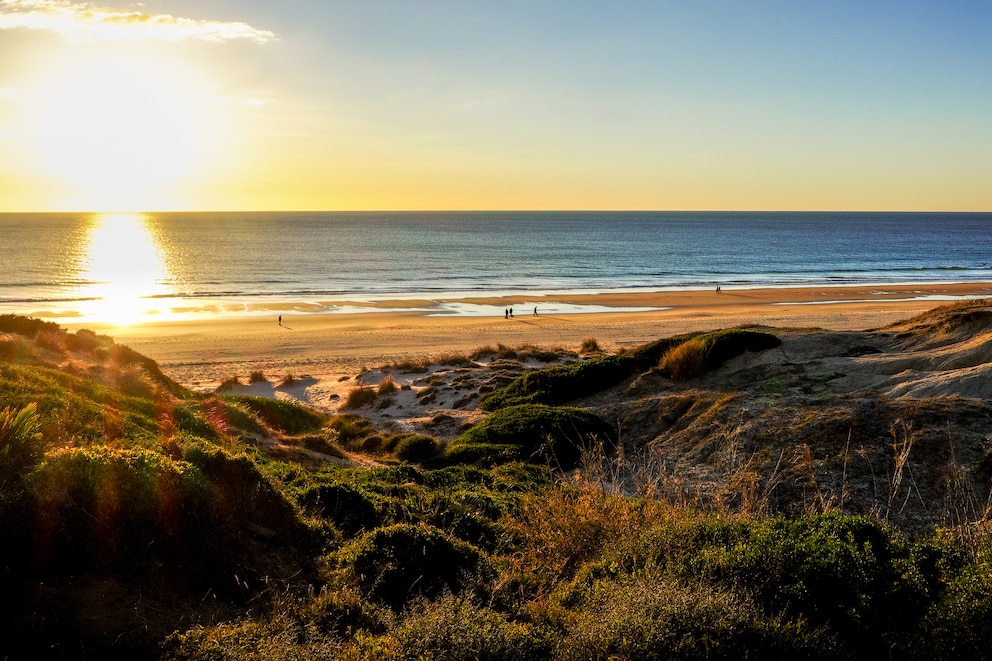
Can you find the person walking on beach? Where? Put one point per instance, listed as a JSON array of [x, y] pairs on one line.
[[506, 313], [280, 320], [535, 310], [511, 313]]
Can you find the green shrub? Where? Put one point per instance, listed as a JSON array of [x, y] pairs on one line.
[[650, 616], [287, 417], [350, 508], [416, 448], [957, 625], [351, 428], [458, 629], [106, 509], [398, 562], [846, 573], [531, 432], [243, 494], [560, 384]]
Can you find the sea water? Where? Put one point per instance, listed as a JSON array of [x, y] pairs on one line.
[[62, 266]]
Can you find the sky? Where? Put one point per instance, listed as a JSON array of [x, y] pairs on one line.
[[531, 104]]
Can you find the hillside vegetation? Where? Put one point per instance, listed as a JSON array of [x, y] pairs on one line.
[[749, 493]]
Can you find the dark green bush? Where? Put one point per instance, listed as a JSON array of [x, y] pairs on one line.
[[848, 574], [531, 432], [416, 448], [105, 509], [350, 508], [351, 428], [559, 384], [396, 563]]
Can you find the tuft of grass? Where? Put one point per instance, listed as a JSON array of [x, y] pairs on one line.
[[287, 381], [20, 441], [387, 386], [228, 384], [700, 354], [589, 345], [359, 397], [257, 377], [686, 361]]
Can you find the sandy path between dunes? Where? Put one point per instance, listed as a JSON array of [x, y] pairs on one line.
[[202, 353]]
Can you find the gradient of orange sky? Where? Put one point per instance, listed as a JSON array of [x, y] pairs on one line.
[[223, 105]]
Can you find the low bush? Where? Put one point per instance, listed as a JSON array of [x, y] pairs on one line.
[[416, 448], [458, 629], [531, 432], [280, 414], [105, 509], [351, 429], [560, 384], [257, 377], [398, 562], [350, 508]]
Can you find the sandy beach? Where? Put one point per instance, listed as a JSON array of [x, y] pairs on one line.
[[202, 353]]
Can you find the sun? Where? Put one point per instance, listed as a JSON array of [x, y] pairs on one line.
[[118, 131]]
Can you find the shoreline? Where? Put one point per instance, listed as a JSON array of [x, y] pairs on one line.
[[201, 353]]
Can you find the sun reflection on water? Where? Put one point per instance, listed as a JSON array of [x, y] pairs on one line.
[[125, 270]]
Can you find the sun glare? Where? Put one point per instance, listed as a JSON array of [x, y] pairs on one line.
[[118, 132], [125, 270]]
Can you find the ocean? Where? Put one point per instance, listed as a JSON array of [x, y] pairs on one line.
[[73, 267]]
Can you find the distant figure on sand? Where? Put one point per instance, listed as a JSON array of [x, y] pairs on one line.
[[511, 313], [506, 313], [535, 311], [280, 320], [718, 289]]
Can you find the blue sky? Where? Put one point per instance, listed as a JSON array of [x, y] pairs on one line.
[[461, 105]]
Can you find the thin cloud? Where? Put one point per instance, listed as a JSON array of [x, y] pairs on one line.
[[87, 22]]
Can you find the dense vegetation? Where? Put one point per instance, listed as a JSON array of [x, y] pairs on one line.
[[143, 521]]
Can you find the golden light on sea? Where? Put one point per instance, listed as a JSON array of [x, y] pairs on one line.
[[125, 271]]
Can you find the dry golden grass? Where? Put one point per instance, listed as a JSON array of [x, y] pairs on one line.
[[388, 386], [360, 396], [685, 361]]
